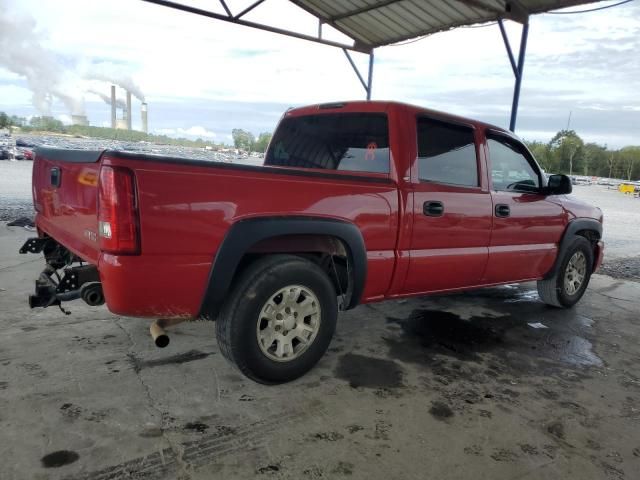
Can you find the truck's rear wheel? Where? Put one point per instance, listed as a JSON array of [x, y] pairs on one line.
[[569, 283], [279, 319]]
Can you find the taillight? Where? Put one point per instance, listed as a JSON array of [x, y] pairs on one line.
[[118, 226]]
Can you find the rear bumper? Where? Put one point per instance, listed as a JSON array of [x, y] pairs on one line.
[[599, 255], [154, 286]]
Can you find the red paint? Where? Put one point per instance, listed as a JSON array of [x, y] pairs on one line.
[[185, 210]]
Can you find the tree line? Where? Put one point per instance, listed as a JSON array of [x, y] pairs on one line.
[[52, 125], [245, 140], [242, 139], [567, 153]]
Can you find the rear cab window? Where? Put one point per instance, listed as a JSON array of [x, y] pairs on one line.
[[446, 153], [354, 142], [512, 168]]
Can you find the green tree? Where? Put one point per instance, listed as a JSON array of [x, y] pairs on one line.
[[263, 141], [630, 158], [595, 160], [48, 124], [541, 153], [566, 147], [242, 139], [4, 120], [17, 121]]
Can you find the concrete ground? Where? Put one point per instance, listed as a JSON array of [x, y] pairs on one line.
[[463, 386]]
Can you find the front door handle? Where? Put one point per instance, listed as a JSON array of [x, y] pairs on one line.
[[433, 209], [502, 210]]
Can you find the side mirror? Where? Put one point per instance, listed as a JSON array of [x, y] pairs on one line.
[[558, 185]]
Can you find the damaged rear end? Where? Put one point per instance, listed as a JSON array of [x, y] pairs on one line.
[[83, 209]]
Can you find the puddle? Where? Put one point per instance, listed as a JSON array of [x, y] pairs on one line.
[[515, 293], [427, 333], [446, 332], [59, 458], [369, 372], [526, 296]]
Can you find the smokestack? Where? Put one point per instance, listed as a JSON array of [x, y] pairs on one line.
[[143, 114], [128, 110], [113, 106]]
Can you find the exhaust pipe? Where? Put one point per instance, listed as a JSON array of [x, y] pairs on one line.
[[91, 293], [160, 337]]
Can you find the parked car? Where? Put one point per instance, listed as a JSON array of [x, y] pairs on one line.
[[21, 142], [575, 180], [26, 153], [357, 202]]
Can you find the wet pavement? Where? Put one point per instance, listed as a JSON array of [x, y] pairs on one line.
[[488, 384]]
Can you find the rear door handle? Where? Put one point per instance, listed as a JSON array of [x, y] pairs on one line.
[[502, 210], [433, 209]]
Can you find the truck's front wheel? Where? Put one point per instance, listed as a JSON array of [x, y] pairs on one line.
[[279, 319], [569, 283]]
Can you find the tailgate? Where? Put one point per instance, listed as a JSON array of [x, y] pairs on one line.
[[65, 193]]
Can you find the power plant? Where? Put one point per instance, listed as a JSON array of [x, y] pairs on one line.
[[143, 114], [124, 122], [79, 120]]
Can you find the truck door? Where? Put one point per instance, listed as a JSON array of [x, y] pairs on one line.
[[526, 225], [451, 209]]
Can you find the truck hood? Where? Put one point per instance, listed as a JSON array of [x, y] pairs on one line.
[[577, 208]]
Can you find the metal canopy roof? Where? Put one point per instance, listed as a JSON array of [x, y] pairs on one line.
[[375, 23]]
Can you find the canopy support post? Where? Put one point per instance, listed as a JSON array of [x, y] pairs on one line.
[[517, 68], [369, 83], [370, 79]]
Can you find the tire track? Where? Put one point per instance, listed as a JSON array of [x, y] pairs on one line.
[[195, 453]]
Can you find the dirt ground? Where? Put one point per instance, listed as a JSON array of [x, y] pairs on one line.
[[463, 386]]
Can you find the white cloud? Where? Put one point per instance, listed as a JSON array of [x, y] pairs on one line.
[[191, 132]]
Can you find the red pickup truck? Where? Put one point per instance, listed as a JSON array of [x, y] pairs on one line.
[[356, 202]]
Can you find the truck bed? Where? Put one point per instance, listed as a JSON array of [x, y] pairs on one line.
[[185, 209]]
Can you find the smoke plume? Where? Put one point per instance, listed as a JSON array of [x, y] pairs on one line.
[[112, 73], [107, 99], [21, 53]]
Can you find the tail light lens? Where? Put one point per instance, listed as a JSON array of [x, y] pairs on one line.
[[118, 225]]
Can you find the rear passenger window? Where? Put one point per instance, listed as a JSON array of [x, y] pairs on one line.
[[446, 153], [345, 141]]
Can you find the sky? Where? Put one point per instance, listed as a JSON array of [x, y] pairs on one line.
[[202, 78]]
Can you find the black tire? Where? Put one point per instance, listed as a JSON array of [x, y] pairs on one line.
[[552, 291], [236, 325]]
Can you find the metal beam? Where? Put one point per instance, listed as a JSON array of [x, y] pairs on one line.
[[226, 9], [369, 83], [248, 9], [478, 4], [356, 47], [366, 9], [520, 67], [508, 47], [355, 69], [370, 79], [513, 9]]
